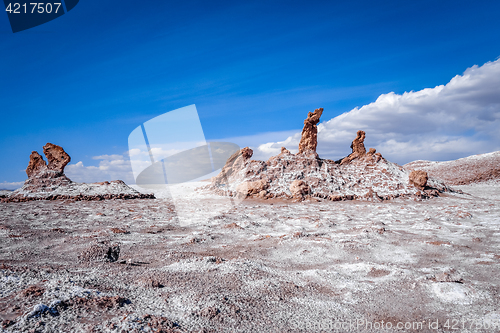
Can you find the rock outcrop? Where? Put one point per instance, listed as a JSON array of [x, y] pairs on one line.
[[234, 163], [284, 151], [418, 178], [36, 165], [252, 188], [47, 181], [467, 170], [362, 175], [56, 156], [359, 150], [100, 252], [309, 138], [299, 188]]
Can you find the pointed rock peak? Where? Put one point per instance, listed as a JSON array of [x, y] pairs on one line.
[[37, 164], [246, 153], [358, 148], [309, 139], [284, 151]]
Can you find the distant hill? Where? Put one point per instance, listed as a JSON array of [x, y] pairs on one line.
[[467, 170]]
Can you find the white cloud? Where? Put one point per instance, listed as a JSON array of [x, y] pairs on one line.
[[111, 167], [256, 140], [10, 185], [108, 157], [449, 121]]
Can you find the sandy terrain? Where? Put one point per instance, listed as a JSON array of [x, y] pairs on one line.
[[264, 266]]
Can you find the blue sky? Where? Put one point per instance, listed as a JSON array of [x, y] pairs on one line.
[[87, 79]]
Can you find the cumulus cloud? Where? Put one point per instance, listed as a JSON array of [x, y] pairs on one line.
[[115, 166], [111, 167], [10, 185], [446, 122]]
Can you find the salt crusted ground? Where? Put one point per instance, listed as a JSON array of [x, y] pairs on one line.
[[265, 266], [75, 190], [471, 169]]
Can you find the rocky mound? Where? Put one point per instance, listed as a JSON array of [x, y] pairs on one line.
[[4, 193], [361, 175], [47, 181], [467, 170]]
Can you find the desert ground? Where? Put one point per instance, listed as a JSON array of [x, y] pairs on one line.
[[264, 266]]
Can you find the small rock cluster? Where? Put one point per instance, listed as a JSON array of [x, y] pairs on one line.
[[100, 252]]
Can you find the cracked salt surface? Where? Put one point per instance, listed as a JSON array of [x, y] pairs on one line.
[[261, 264]]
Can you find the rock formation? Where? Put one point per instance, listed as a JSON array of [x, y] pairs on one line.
[[418, 178], [56, 156], [357, 147], [467, 170], [361, 175], [359, 150], [252, 188], [48, 182], [284, 151], [43, 178], [36, 164], [246, 153], [299, 188], [234, 163], [309, 138]]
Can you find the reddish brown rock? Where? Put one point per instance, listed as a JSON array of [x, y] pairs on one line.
[[373, 155], [360, 176], [100, 252], [299, 188], [358, 148], [36, 164], [418, 178], [252, 188], [246, 153], [284, 151], [467, 170], [309, 139], [33, 291], [56, 156], [233, 164], [48, 182]]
